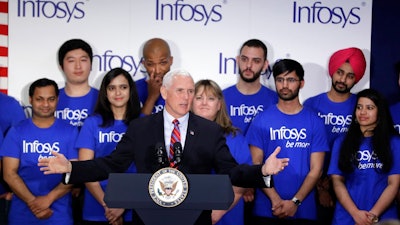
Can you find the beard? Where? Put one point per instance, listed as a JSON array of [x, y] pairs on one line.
[[289, 96], [252, 79], [341, 90]]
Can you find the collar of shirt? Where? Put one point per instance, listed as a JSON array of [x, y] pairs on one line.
[[169, 126]]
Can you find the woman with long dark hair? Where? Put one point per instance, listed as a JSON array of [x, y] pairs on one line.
[[365, 164], [117, 104]]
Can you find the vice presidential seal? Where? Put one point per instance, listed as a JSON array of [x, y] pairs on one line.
[[168, 187]]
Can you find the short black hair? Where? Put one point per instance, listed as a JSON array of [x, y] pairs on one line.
[[288, 66], [73, 44], [255, 43], [43, 82]]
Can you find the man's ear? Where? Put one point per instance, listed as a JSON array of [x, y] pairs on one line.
[[302, 84], [265, 67], [163, 91]]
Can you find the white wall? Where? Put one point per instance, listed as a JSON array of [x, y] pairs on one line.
[[202, 34]]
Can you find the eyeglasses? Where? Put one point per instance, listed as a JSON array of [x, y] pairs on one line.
[[290, 80]]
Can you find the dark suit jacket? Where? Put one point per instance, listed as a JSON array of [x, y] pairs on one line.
[[205, 150]]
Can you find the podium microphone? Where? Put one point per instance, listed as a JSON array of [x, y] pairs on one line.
[[178, 152], [161, 154]]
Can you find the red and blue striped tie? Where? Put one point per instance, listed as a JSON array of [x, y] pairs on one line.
[[175, 137]]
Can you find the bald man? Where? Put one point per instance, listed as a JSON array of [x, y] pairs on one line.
[[157, 60], [335, 107]]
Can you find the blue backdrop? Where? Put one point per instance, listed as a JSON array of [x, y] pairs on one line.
[[385, 48]]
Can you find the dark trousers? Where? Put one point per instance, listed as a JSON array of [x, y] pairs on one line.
[[4, 206], [248, 213], [77, 205], [325, 215]]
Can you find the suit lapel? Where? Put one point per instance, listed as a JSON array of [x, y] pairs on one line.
[[191, 132], [158, 128]]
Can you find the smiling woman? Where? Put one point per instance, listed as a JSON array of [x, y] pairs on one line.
[[365, 162], [209, 103], [117, 104]]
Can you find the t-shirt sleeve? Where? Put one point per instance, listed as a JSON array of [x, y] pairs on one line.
[[254, 134], [333, 164], [395, 147], [86, 138], [11, 144], [320, 139], [72, 152]]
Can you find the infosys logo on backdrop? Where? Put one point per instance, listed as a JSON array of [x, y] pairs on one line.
[[317, 12], [179, 10], [109, 59], [64, 10]]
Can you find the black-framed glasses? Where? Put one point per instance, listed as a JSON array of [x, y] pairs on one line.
[[290, 80]]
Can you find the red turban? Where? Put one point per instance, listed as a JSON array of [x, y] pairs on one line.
[[354, 56]]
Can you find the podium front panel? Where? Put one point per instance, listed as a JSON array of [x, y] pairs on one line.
[[206, 191]]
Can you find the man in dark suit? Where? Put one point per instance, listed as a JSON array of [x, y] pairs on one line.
[[203, 143]]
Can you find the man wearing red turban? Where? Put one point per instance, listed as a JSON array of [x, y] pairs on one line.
[[354, 57], [335, 108]]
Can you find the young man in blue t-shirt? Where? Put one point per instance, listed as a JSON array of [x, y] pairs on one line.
[[38, 199], [335, 108], [248, 96], [300, 134], [77, 99]]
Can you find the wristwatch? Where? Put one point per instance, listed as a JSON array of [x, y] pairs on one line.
[[296, 201]]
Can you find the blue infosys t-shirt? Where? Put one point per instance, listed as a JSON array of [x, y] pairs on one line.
[[76, 109], [366, 183], [243, 108], [102, 140], [28, 143], [299, 135], [239, 149], [336, 116]]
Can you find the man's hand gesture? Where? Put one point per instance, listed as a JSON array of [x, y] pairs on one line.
[[56, 164], [274, 165]]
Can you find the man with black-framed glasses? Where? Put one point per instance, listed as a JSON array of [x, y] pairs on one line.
[[300, 134]]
